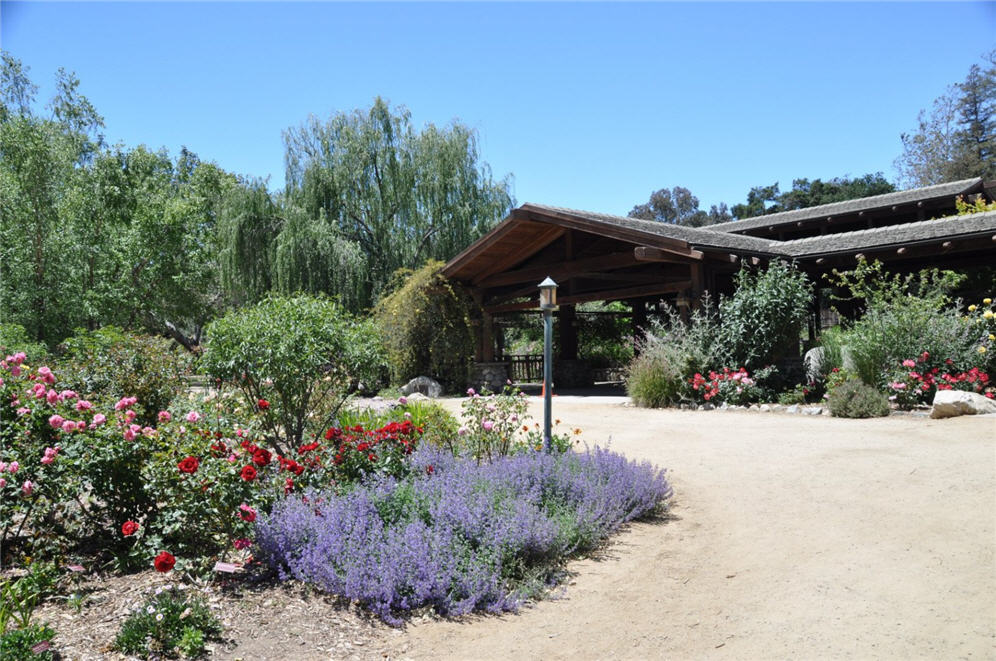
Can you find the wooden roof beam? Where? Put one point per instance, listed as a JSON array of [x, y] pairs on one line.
[[560, 270], [648, 254]]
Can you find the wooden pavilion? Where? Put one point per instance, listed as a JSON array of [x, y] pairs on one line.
[[600, 257]]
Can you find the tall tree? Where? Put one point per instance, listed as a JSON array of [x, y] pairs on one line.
[[957, 138], [402, 195]]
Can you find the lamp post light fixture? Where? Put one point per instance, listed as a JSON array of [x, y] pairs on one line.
[[548, 303]]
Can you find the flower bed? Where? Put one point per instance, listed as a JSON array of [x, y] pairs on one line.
[[457, 535]]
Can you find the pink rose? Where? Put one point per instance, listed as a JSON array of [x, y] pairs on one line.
[[45, 373], [56, 421], [129, 435], [28, 487], [164, 416], [193, 416], [15, 370], [19, 357], [3, 483], [13, 467], [68, 426], [488, 425], [53, 397], [68, 394], [98, 420], [130, 415], [83, 405]]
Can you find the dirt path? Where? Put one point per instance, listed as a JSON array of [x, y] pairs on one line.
[[793, 537]]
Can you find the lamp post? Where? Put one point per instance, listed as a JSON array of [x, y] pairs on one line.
[[548, 303]]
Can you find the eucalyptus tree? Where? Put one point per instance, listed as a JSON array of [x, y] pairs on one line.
[[403, 196]]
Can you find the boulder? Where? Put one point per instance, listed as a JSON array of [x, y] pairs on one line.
[[812, 362], [423, 384], [792, 409], [951, 403]]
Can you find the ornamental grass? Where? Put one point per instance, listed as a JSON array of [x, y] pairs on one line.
[[455, 535]]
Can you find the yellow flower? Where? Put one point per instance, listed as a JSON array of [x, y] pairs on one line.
[[982, 349], [987, 301], [988, 314], [973, 308], [992, 338]]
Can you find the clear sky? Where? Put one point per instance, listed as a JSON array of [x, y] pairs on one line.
[[589, 105]]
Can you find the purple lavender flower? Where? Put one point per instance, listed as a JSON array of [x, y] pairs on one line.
[[461, 537]]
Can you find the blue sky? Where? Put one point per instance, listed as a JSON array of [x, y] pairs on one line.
[[588, 105]]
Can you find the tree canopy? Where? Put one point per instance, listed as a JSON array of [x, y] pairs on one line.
[[403, 196], [93, 234], [678, 206]]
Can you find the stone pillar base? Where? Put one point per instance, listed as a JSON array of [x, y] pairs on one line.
[[493, 376]]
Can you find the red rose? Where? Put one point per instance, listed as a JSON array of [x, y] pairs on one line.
[[129, 528], [189, 465], [164, 561], [288, 486], [429, 470], [263, 404], [248, 473], [261, 457]]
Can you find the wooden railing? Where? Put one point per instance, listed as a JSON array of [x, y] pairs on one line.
[[526, 368]]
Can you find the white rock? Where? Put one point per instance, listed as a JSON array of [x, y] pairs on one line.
[[765, 408], [951, 403], [708, 406], [792, 409]]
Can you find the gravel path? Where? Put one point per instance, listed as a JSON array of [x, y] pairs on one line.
[[791, 537]]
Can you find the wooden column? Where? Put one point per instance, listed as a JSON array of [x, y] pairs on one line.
[[567, 333], [487, 350], [698, 278]]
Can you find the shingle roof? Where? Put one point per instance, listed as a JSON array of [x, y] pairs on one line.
[[982, 224], [697, 237], [700, 237], [939, 191]]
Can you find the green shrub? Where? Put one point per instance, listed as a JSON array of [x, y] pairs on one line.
[[295, 360], [167, 623], [904, 316], [17, 644], [763, 318], [110, 363], [670, 353], [14, 338], [855, 399], [426, 325]]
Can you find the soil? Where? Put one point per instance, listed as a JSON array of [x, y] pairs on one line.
[[789, 536]]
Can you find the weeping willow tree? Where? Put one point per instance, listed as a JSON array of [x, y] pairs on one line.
[[248, 227], [268, 245], [312, 257], [402, 196]]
